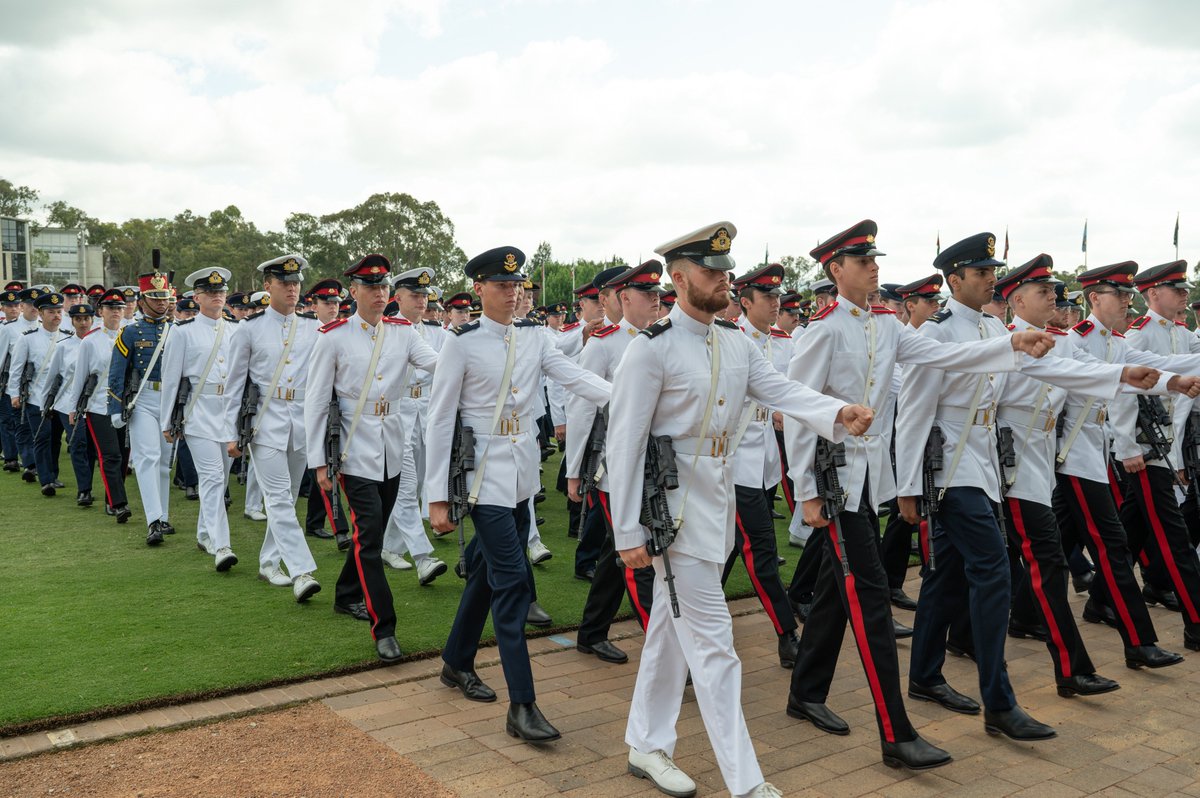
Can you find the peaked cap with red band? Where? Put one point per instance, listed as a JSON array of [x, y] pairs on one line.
[[1117, 275], [927, 287], [1172, 275], [858, 240], [768, 279], [1038, 270], [645, 277]]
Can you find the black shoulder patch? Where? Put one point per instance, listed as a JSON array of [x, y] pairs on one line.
[[28, 332], [256, 315], [185, 321], [432, 323], [525, 323], [942, 315], [307, 314], [726, 323], [465, 328], [660, 326]]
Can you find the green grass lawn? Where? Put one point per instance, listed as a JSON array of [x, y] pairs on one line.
[[92, 618]]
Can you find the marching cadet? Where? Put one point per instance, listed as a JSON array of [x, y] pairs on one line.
[[405, 531], [131, 301], [94, 292], [757, 466], [658, 390], [62, 374], [93, 364], [273, 352], [34, 349], [666, 302], [137, 360], [362, 363], [325, 297], [789, 312], [11, 305], [186, 308], [637, 291], [198, 354], [591, 316], [481, 379], [459, 309], [27, 321], [73, 294]]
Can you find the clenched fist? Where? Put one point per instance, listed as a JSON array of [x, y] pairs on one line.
[[1142, 377], [1185, 385], [856, 418], [1034, 343]]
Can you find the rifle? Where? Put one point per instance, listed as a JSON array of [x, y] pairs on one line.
[[245, 426], [177, 420], [132, 381], [1006, 458], [930, 499], [829, 489], [462, 462], [593, 460], [333, 459], [85, 395], [4, 371], [1191, 448], [1152, 422], [23, 387], [48, 403], [660, 475]]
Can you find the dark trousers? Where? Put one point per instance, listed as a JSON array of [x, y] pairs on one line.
[[108, 442], [591, 541], [22, 435], [969, 561], [754, 542], [1155, 526], [83, 455], [498, 580], [362, 577], [896, 545], [8, 429], [789, 490], [1088, 509], [320, 508], [861, 598], [185, 467], [612, 581], [47, 442], [1033, 533]]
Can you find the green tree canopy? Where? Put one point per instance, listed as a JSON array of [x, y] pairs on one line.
[[15, 200]]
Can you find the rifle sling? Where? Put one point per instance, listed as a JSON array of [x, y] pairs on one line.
[[212, 358], [704, 422], [505, 381], [362, 393], [287, 349], [162, 339]]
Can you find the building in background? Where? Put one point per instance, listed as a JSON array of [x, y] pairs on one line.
[[16, 253], [61, 255]]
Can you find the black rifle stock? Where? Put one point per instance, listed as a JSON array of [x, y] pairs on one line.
[[829, 490], [333, 459], [133, 381], [593, 455], [85, 396], [1191, 447], [1152, 421], [660, 474], [177, 419], [1006, 458], [245, 425], [931, 500], [462, 463], [48, 402], [23, 387]]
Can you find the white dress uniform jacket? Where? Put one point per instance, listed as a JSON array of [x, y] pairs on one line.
[[62, 362], [756, 462], [184, 357], [36, 345], [93, 357], [601, 356]]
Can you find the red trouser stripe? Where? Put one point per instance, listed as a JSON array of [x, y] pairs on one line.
[[362, 578], [1118, 499], [1105, 564], [630, 582], [328, 507], [1035, 580], [787, 491], [87, 420], [748, 558], [864, 646], [923, 539], [1160, 535]]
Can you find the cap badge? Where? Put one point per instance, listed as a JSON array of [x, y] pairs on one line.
[[158, 281], [775, 278], [34, 294], [654, 275], [423, 278], [510, 262], [870, 238], [53, 300], [991, 246], [290, 265], [215, 277], [721, 241]]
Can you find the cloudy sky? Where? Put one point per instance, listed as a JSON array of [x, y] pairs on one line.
[[609, 127]]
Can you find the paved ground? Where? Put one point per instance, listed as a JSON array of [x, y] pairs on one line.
[[1141, 740]]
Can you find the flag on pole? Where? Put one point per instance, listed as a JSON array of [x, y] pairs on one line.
[[1005, 244], [939, 242], [1176, 241], [1084, 248], [767, 255]]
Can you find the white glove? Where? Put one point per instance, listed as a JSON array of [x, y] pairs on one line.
[[117, 421]]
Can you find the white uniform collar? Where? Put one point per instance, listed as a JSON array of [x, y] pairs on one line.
[[1021, 324], [970, 314], [279, 317], [206, 321], [683, 321], [495, 328], [1097, 324], [862, 314]]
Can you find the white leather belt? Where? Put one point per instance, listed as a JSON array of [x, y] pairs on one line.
[[1097, 416], [1023, 418], [713, 446], [417, 391], [381, 407], [213, 389], [289, 394], [984, 416], [506, 426]]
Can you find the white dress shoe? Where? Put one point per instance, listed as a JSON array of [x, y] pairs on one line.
[[226, 559], [764, 790], [538, 553], [272, 574], [428, 569], [255, 515], [395, 560], [660, 769], [305, 587]]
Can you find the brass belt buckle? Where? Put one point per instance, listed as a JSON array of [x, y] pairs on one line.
[[415, 392], [220, 389], [719, 444], [510, 426], [381, 408], [1051, 421]]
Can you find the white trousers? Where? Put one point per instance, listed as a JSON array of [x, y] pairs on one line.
[[700, 639], [150, 457], [535, 534], [279, 474], [404, 531], [255, 500], [212, 469]]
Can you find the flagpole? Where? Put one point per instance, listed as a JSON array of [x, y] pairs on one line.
[[1085, 223], [1176, 235]]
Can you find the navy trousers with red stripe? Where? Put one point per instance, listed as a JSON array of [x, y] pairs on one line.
[[862, 599], [611, 582], [896, 545], [1033, 534], [754, 542], [362, 577], [1154, 524], [107, 440], [320, 509]]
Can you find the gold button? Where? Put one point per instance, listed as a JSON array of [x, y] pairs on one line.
[[220, 360], [379, 376], [289, 379], [514, 414], [514, 390], [514, 440], [364, 326], [289, 360], [721, 401]]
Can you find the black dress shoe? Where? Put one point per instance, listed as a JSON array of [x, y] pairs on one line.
[[388, 650], [1023, 630], [123, 513], [357, 610], [29, 474], [472, 687], [343, 540], [780, 560], [166, 527], [84, 498], [900, 630], [818, 715], [57, 485], [537, 616], [1016, 724], [802, 610], [945, 696], [903, 601], [776, 515], [539, 520], [109, 510], [586, 575], [1081, 583], [1086, 684], [526, 722], [322, 533], [48, 489], [789, 649], [154, 535], [540, 496], [1167, 598], [11, 465], [1150, 657], [191, 493], [914, 755], [605, 651], [1094, 612], [961, 649], [1191, 640]]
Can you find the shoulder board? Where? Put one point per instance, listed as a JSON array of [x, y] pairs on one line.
[[432, 323], [778, 333], [657, 327], [333, 325], [570, 326], [817, 316], [68, 333], [396, 320], [942, 315], [1084, 327], [465, 328], [525, 323], [1010, 326], [307, 314], [254, 316], [1055, 331], [1139, 322], [1181, 323], [607, 330], [1118, 334], [30, 331], [987, 315], [724, 323], [9, 321], [882, 309], [185, 321]]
